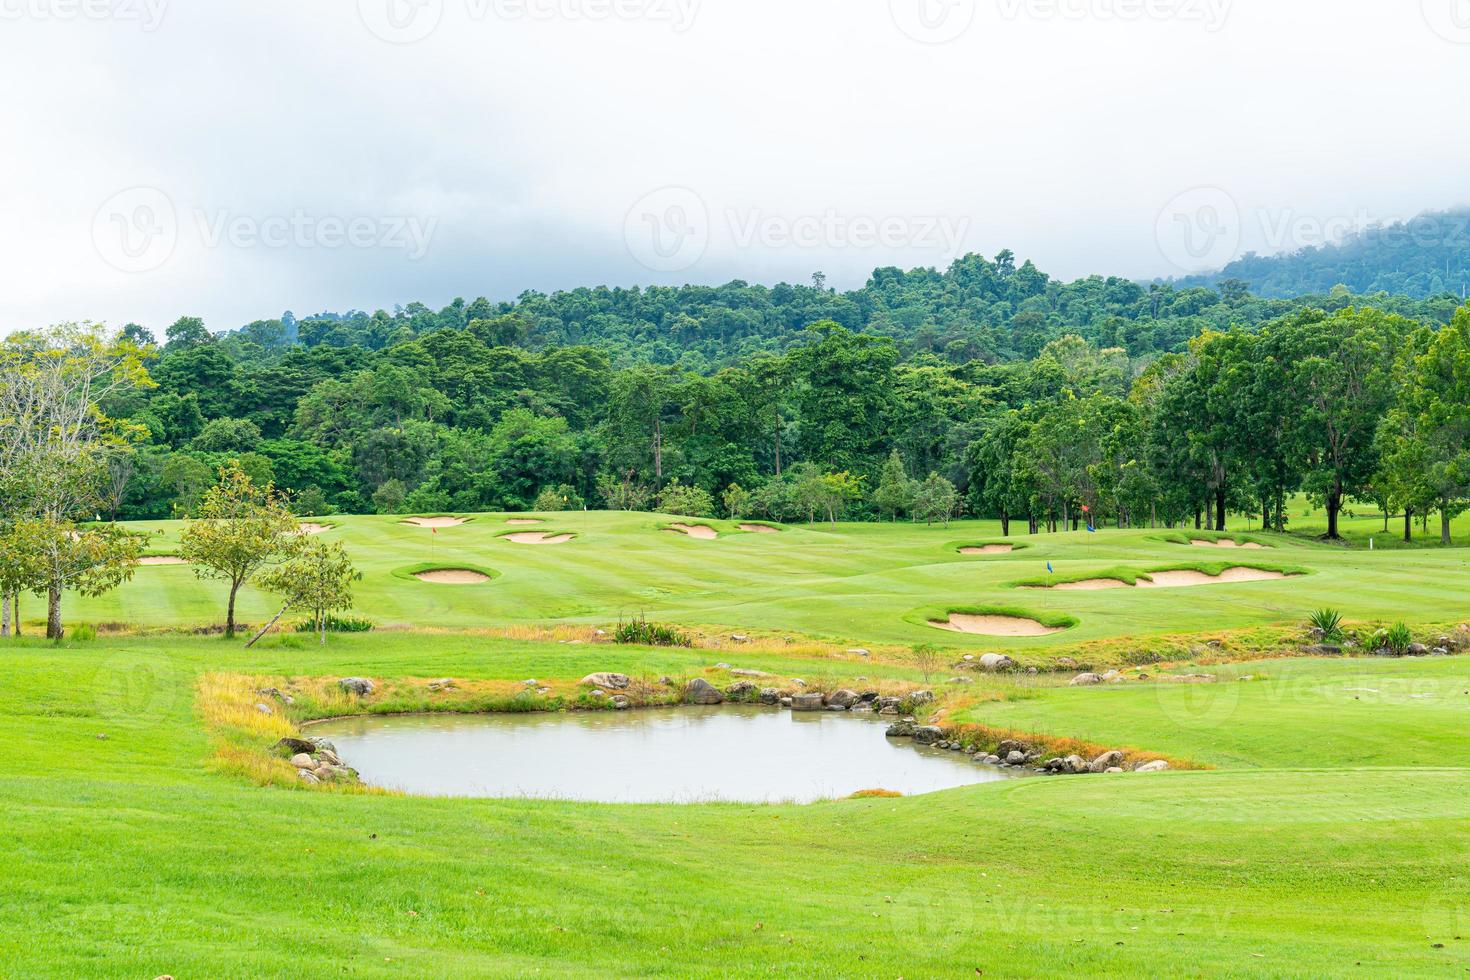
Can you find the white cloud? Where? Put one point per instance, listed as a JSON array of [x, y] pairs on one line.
[[523, 132]]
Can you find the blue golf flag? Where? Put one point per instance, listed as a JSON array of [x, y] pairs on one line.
[[1048, 568]]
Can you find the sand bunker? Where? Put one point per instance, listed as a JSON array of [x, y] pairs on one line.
[[995, 626], [162, 560], [759, 529], [1090, 585], [1182, 579], [435, 521], [989, 549], [452, 576], [524, 522], [308, 529], [538, 537], [701, 531], [1226, 543]]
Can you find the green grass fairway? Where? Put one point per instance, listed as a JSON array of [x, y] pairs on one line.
[[1331, 841], [848, 582], [1326, 832]]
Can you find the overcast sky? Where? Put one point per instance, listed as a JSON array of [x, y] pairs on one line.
[[235, 159]]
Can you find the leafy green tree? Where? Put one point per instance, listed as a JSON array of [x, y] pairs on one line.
[[317, 580], [559, 498], [188, 479], [685, 501], [935, 500], [238, 529], [737, 501], [896, 493], [389, 498]]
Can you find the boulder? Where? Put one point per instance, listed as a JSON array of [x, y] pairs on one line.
[[1115, 769], [1054, 765], [330, 758], [1015, 758], [739, 638], [1158, 765], [1008, 746], [742, 690], [359, 686], [785, 702], [997, 661], [1323, 650], [1106, 761], [888, 706], [749, 673], [1086, 680], [993, 760], [701, 691], [901, 729], [769, 695], [303, 761], [842, 698], [322, 744], [1074, 764], [621, 702], [1418, 650], [1112, 677], [1067, 662], [928, 734], [921, 697], [308, 778], [265, 709], [806, 702], [443, 684], [615, 682], [860, 652], [296, 746]]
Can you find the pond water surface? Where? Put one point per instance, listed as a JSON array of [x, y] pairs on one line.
[[674, 755]]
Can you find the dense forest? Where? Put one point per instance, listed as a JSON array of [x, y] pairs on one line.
[[988, 388], [1427, 256]]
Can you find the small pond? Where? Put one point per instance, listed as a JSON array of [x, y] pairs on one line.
[[676, 755]]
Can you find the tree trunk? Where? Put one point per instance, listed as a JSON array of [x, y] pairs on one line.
[[1408, 525], [267, 627], [53, 611], [1197, 519], [5, 615], [1031, 527], [1220, 508], [321, 626], [230, 613], [1444, 523], [1005, 524], [658, 451], [1334, 507], [778, 446]]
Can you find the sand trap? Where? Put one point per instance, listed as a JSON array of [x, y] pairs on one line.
[[435, 521], [701, 531], [1090, 585], [759, 529], [995, 626], [452, 576], [538, 537], [524, 522], [1182, 579], [308, 529], [1226, 543], [989, 549], [162, 560]]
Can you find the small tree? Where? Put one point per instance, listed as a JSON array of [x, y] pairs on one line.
[[936, 500], [686, 501], [621, 491], [736, 500], [388, 499], [239, 530], [49, 557], [895, 491], [927, 659], [552, 500], [318, 580], [311, 502]]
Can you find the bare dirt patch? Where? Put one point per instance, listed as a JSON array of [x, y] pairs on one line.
[[989, 549], [701, 531], [434, 522], [452, 576], [307, 529], [538, 537], [162, 560], [995, 625]]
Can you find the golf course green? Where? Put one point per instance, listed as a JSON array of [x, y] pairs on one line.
[[1315, 821]]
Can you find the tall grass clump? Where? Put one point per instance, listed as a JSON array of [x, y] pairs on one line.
[[644, 633], [1328, 622]]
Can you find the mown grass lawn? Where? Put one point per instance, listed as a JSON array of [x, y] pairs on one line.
[[859, 583], [1327, 843]]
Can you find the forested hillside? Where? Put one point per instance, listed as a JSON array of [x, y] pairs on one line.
[[1427, 256], [988, 387]]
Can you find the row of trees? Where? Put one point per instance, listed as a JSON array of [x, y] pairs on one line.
[[59, 456]]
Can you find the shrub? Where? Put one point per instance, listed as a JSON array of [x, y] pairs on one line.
[[1396, 639], [552, 500], [84, 633], [337, 624], [686, 501], [644, 633], [1329, 623]]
